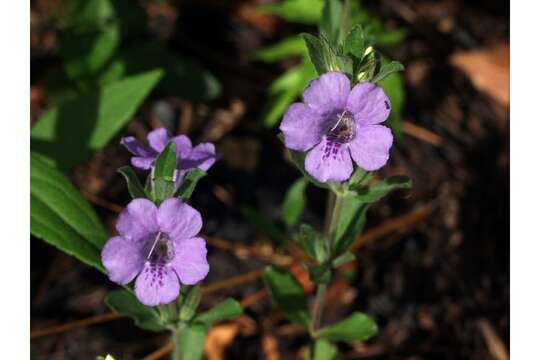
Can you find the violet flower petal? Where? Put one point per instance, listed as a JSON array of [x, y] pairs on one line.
[[157, 284], [142, 162], [202, 156], [368, 103], [137, 148], [158, 139], [326, 162], [371, 146], [138, 220], [328, 94], [302, 127], [178, 219], [190, 261], [123, 259], [183, 147]]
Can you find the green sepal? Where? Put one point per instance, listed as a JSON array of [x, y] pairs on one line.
[[386, 70], [163, 186], [134, 186], [165, 163], [189, 182], [190, 303]]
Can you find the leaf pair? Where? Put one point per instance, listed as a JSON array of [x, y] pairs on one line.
[[355, 206], [191, 335], [287, 293]]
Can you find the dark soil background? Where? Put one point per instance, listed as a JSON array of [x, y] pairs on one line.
[[434, 268]]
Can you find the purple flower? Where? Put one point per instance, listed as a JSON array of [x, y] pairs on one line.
[[336, 123], [202, 156], [158, 246]]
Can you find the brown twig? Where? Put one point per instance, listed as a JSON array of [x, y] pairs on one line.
[[495, 344], [421, 133], [401, 223], [97, 319], [253, 298], [102, 202], [159, 353], [232, 281]]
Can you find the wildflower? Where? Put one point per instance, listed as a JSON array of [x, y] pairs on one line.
[[202, 156], [336, 123], [158, 246]]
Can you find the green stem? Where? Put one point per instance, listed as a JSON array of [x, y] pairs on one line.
[[333, 211], [176, 354]]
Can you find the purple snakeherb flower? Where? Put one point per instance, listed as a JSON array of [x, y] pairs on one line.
[[202, 156], [336, 123], [158, 246]]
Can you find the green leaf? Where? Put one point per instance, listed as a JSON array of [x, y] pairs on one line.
[[191, 342], [228, 309], [126, 304], [263, 223], [70, 132], [315, 52], [351, 223], [182, 76], [355, 42], [387, 69], [343, 259], [191, 178], [135, 188], [307, 238], [357, 327], [85, 53], [287, 294], [395, 90], [324, 350], [290, 46], [61, 216], [295, 202], [301, 11], [331, 20], [375, 192]]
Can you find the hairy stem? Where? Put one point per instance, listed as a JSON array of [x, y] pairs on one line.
[[176, 354], [333, 211]]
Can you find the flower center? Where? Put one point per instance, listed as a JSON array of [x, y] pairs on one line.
[[342, 128], [161, 250]]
